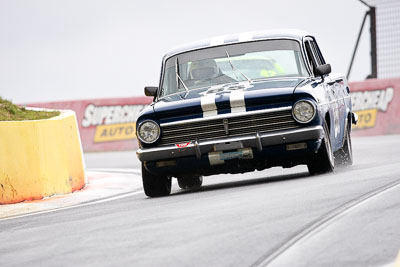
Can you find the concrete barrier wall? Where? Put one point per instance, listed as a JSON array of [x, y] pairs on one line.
[[40, 158], [377, 103], [105, 124]]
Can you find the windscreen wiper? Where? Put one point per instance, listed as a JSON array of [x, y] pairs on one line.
[[235, 69], [178, 77]]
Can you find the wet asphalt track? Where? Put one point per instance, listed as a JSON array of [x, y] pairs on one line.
[[275, 217]]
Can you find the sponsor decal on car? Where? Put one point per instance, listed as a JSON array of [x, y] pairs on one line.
[[366, 105], [182, 145], [113, 123]]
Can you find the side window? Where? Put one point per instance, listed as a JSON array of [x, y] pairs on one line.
[[314, 54], [311, 59], [317, 53]]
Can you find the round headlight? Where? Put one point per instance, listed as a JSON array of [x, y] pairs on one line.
[[148, 132], [304, 111]]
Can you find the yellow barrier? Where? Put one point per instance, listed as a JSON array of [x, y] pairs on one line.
[[40, 158], [397, 262]]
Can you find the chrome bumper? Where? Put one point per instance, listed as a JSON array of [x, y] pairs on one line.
[[249, 141]]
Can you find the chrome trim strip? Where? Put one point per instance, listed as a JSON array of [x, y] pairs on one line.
[[197, 149], [166, 143], [195, 134], [228, 115], [259, 143], [197, 127], [226, 130], [287, 118], [249, 141]]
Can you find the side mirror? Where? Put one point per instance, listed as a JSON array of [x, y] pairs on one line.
[[323, 70], [150, 90]]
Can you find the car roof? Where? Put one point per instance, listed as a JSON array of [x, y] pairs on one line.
[[239, 38]]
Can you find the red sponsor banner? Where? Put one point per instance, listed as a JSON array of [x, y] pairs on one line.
[[377, 104], [104, 124]]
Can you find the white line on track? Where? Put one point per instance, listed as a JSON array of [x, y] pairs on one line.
[[322, 222], [75, 206]]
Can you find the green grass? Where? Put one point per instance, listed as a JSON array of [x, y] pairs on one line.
[[11, 112]]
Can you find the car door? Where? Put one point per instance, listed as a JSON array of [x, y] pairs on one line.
[[339, 89], [330, 90]]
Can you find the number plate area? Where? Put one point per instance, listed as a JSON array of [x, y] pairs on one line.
[[228, 146], [219, 157]]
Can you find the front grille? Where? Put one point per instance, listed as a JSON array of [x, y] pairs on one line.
[[237, 126]]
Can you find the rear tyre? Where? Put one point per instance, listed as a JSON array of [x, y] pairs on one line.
[[344, 156], [155, 185], [190, 182], [323, 161]]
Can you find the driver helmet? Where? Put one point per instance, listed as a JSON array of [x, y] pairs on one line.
[[204, 69]]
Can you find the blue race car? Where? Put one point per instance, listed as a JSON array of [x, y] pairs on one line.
[[241, 103]]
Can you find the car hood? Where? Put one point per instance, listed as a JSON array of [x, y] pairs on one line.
[[243, 96]]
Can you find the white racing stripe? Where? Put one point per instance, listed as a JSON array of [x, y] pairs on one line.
[[237, 103], [108, 199], [208, 105]]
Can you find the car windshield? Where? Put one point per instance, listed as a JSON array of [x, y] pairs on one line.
[[232, 63]]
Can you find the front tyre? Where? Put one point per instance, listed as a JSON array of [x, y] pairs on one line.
[[323, 161], [190, 181], [344, 156], [155, 185]]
